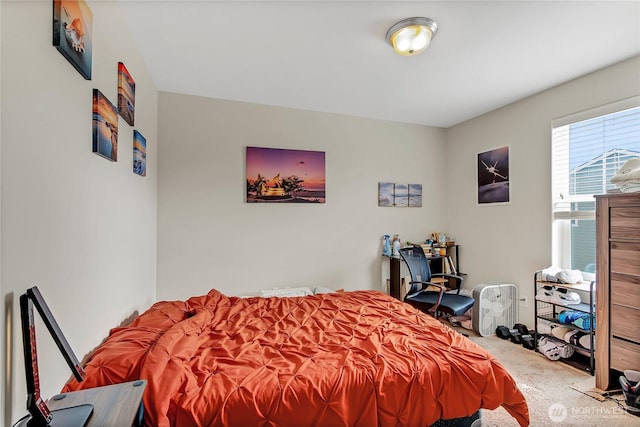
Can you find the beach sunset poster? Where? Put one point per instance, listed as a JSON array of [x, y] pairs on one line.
[[105, 127], [126, 94], [139, 154], [72, 33], [276, 175]]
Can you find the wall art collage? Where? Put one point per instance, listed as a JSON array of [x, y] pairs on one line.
[[73, 37]]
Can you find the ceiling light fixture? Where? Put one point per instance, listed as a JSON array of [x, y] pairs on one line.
[[412, 35]]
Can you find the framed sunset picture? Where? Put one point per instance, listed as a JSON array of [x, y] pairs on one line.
[[126, 94], [105, 127], [139, 154], [277, 175], [72, 33]]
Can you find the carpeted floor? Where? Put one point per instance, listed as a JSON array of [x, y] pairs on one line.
[[547, 386]]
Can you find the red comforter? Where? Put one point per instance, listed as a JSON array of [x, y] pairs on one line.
[[343, 359]]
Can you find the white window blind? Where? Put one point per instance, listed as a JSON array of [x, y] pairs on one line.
[[587, 150]]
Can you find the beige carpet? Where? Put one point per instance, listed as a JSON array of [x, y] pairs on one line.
[[557, 394]]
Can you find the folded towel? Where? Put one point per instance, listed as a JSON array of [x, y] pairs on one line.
[[577, 318], [569, 316], [627, 178], [549, 274], [569, 276], [584, 322]]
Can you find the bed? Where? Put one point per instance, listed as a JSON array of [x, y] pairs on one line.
[[356, 358]]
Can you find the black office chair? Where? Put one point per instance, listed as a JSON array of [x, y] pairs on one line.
[[428, 291]]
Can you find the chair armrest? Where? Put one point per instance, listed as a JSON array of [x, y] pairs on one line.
[[440, 286], [441, 290], [455, 277]]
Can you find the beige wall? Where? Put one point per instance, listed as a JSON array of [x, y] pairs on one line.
[[84, 229], [80, 227], [507, 243], [239, 248], [208, 237], [3, 377]]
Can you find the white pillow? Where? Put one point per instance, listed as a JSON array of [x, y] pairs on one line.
[[287, 292], [321, 290]]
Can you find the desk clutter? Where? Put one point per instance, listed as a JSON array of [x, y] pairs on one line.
[[436, 245], [441, 251]]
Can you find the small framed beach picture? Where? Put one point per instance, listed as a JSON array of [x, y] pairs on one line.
[[385, 194], [72, 33], [277, 175], [415, 195], [139, 154], [105, 127], [126, 94], [401, 195], [493, 176]]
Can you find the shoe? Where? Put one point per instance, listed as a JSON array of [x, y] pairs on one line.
[[566, 351], [585, 341], [560, 331], [549, 348], [545, 293], [630, 383], [553, 349], [563, 296], [544, 327]]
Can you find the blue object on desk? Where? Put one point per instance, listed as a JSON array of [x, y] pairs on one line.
[[386, 248]]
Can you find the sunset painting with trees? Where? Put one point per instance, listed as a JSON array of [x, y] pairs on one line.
[[285, 176]]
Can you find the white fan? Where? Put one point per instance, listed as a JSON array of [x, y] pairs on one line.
[[495, 305]]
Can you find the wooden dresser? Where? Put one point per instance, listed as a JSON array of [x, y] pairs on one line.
[[618, 287]]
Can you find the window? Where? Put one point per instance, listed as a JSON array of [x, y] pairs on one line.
[[587, 150]]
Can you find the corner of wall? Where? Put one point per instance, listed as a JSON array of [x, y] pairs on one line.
[[3, 373]]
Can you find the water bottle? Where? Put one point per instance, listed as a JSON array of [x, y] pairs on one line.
[[386, 248], [396, 245]]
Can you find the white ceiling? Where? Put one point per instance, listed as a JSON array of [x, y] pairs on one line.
[[331, 56]]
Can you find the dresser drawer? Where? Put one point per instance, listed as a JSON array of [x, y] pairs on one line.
[[625, 290], [624, 355], [625, 258], [624, 223], [624, 323]]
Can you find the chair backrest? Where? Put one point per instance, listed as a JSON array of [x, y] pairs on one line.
[[418, 266]]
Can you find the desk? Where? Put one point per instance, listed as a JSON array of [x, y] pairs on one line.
[[395, 265], [115, 405]]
